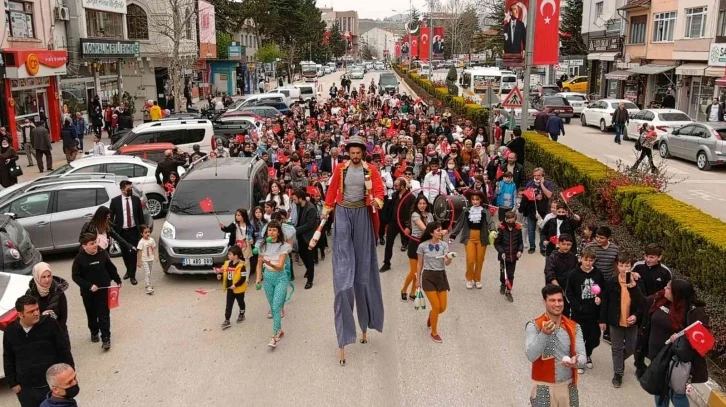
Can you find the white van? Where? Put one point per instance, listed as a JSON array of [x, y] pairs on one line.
[[182, 133], [253, 100], [306, 91], [292, 94]]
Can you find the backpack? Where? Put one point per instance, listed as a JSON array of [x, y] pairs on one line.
[[639, 144]]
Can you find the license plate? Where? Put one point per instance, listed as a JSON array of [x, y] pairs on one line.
[[197, 262]]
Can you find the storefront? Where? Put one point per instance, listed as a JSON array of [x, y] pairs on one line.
[[633, 88], [695, 90], [223, 77], [716, 69], [31, 88], [602, 54], [660, 79]]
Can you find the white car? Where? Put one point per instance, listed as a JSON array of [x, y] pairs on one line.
[[138, 170], [379, 66], [664, 121], [600, 113], [12, 287], [328, 70], [357, 73], [578, 101]]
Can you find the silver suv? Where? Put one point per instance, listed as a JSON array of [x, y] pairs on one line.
[[53, 209], [191, 241]]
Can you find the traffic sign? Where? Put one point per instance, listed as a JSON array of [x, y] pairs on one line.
[[514, 98], [489, 98]]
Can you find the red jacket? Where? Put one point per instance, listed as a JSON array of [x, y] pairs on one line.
[[336, 186]]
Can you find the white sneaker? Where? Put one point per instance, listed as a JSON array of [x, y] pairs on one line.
[[469, 285], [478, 285], [273, 342], [581, 371]]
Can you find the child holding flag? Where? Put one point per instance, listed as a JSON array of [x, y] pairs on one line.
[[510, 245], [234, 281]]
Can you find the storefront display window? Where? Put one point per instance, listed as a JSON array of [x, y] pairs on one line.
[[613, 89], [701, 97], [663, 82], [26, 102]]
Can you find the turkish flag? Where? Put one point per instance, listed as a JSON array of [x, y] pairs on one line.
[[207, 205], [8, 318], [398, 49], [529, 194], [547, 32], [571, 192], [500, 173], [700, 338], [493, 210], [272, 172], [414, 46], [113, 293], [425, 36], [312, 191], [554, 240]]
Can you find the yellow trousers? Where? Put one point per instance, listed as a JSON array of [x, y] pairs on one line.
[[437, 299], [411, 277], [475, 252]]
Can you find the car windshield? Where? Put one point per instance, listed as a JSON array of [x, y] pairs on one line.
[[510, 79], [236, 104], [387, 80], [674, 117], [555, 101], [549, 90], [122, 141], [62, 170], [227, 195], [576, 98], [628, 105]]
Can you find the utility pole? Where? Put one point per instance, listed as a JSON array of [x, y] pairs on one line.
[[531, 14], [431, 42]]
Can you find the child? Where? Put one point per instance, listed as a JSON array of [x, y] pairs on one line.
[[585, 306], [497, 133], [587, 236], [234, 281], [433, 257], [652, 276], [269, 208], [554, 227], [170, 186], [509, 245], [99, 149], [506, 195], [606, 251], [622, 308], [148, 253], [559, 264]]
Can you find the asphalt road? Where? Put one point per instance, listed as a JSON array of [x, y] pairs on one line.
[[168, 349]]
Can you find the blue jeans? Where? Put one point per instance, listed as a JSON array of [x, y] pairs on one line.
[[618, 131], [532, 231], [678, 400]]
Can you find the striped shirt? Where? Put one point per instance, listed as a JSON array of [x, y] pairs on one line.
[[605, 259]]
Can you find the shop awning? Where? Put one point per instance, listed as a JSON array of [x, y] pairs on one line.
[[593, 56], [715, 71], [651, 69], [691, 69], [618, 75], [609, 56], [721, 81]]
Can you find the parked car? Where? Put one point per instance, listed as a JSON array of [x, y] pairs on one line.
[[327, 69], [181, 133], [12, 287], [664, 121], [307, 91], [280, 106], [578, 101], [556, 104], [53, 209], [357, 73], [254, 100], [152, 151], [292, 94], [547, 90], [138, 170], [576, 84], [379, 66], [191, 241], [18, 253], [266, 112], [702, 143], [600, 113]]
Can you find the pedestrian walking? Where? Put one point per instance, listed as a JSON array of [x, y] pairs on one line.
[[560, 264], [509, 245], [26, 130], [40, 141], [274, 264], [621, 117], [555, 362], [234, 283], [646, 141], [80, 124], [555, 126], [127, 216], [49, 290], [506, 191], [307, 222], [240, 234], [420, 217], [99, 149], [561, 223], [61, 379], [474, 225], [70, 140], [148, 253], [101, 226], [397, 211], [715, 111], [9, 170], [433, 257]]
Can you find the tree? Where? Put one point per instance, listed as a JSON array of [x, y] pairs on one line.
[[460, 25], [229, 15], [493, 40], [337, 44], [295, 26], [368, 52], [261, 16], [268, 53], [571, 24], [223, 42]]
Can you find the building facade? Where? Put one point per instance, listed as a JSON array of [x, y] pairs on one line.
[[602, 31], [349, 26], [382, 41]]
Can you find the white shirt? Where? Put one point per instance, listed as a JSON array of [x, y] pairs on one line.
[[146, 248], [414, 185], [99, 149], [388, 180], [713, 117], [438, 184], [124, 200]]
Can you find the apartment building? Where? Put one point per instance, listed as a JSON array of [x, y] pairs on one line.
[[602, 31], [349, 25], [381, 40]]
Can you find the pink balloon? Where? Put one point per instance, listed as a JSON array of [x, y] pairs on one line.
[[595, 289]]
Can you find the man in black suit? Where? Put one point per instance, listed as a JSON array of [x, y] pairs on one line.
[[307, 222], [329, 162], [127, 216], [515, 33], [390, 216]]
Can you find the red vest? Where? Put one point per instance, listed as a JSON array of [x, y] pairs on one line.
[[543, 369]]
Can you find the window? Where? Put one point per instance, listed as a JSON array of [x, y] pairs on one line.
[[104, 25], [137, 24], [171, 136], [695, 22], [72, 199], [598, 9], [19, 18], [155, 156], [637, 29], [31, 205], [89, 169], [194, 136], [101, 196], [664, 24], [721, 28], [189, 23], [127, 170]]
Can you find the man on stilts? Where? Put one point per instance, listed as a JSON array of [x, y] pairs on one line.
[[356, 194]]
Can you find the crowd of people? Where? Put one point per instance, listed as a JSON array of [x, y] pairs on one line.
[[373, 167]]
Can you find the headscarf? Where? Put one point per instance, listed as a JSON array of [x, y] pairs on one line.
[[38, 271]]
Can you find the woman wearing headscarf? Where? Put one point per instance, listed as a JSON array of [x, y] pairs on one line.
[[8, 157], [50, 292], [298, 179]]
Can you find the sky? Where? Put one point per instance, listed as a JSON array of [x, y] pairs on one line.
[[373, 8]]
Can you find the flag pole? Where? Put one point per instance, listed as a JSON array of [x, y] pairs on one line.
[[683, 332]]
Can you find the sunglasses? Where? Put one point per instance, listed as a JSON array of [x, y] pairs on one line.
[[409, 174]]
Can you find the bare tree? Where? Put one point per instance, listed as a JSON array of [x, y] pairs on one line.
[[460, 22]]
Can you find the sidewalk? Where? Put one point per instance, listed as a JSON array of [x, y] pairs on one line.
[[58, 157]]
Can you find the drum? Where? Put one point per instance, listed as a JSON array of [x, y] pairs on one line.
[[442, 208]]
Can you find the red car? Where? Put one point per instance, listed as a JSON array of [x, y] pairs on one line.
[[556, 104], [151, 151]]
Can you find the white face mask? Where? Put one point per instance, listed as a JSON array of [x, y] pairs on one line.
[[451, 166], [5, 145]]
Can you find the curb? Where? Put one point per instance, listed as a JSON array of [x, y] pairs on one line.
[[707, 394]]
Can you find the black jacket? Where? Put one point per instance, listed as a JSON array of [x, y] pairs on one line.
[[55, 301], [517, 174], [327, 164], [509, 242], [652, 279], [89, 227], [27, 356], [97, 269], [583, 303], [232, 230], [540, 121], [558, 266], [390, 210], [610, 302], [307, 222], [166, 167], [621, 116], [549, 230], [517, 146], [117, 212]]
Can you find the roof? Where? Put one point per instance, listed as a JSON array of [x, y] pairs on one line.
[[634, 4], [109, 159], [145, 147], [221, 168]]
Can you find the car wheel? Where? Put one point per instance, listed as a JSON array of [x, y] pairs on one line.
[[565, 89], [702, 162], [155, 204], [603, 126], [663, 150], [583, 122], [568, 120]]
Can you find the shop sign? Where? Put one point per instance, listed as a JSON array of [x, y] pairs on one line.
[[717, 55], [112, 6], [604, 44], [626, 65], [692, 72], [109, 48], [35, 63], [234, 51], [575, 62], [29, 83]]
